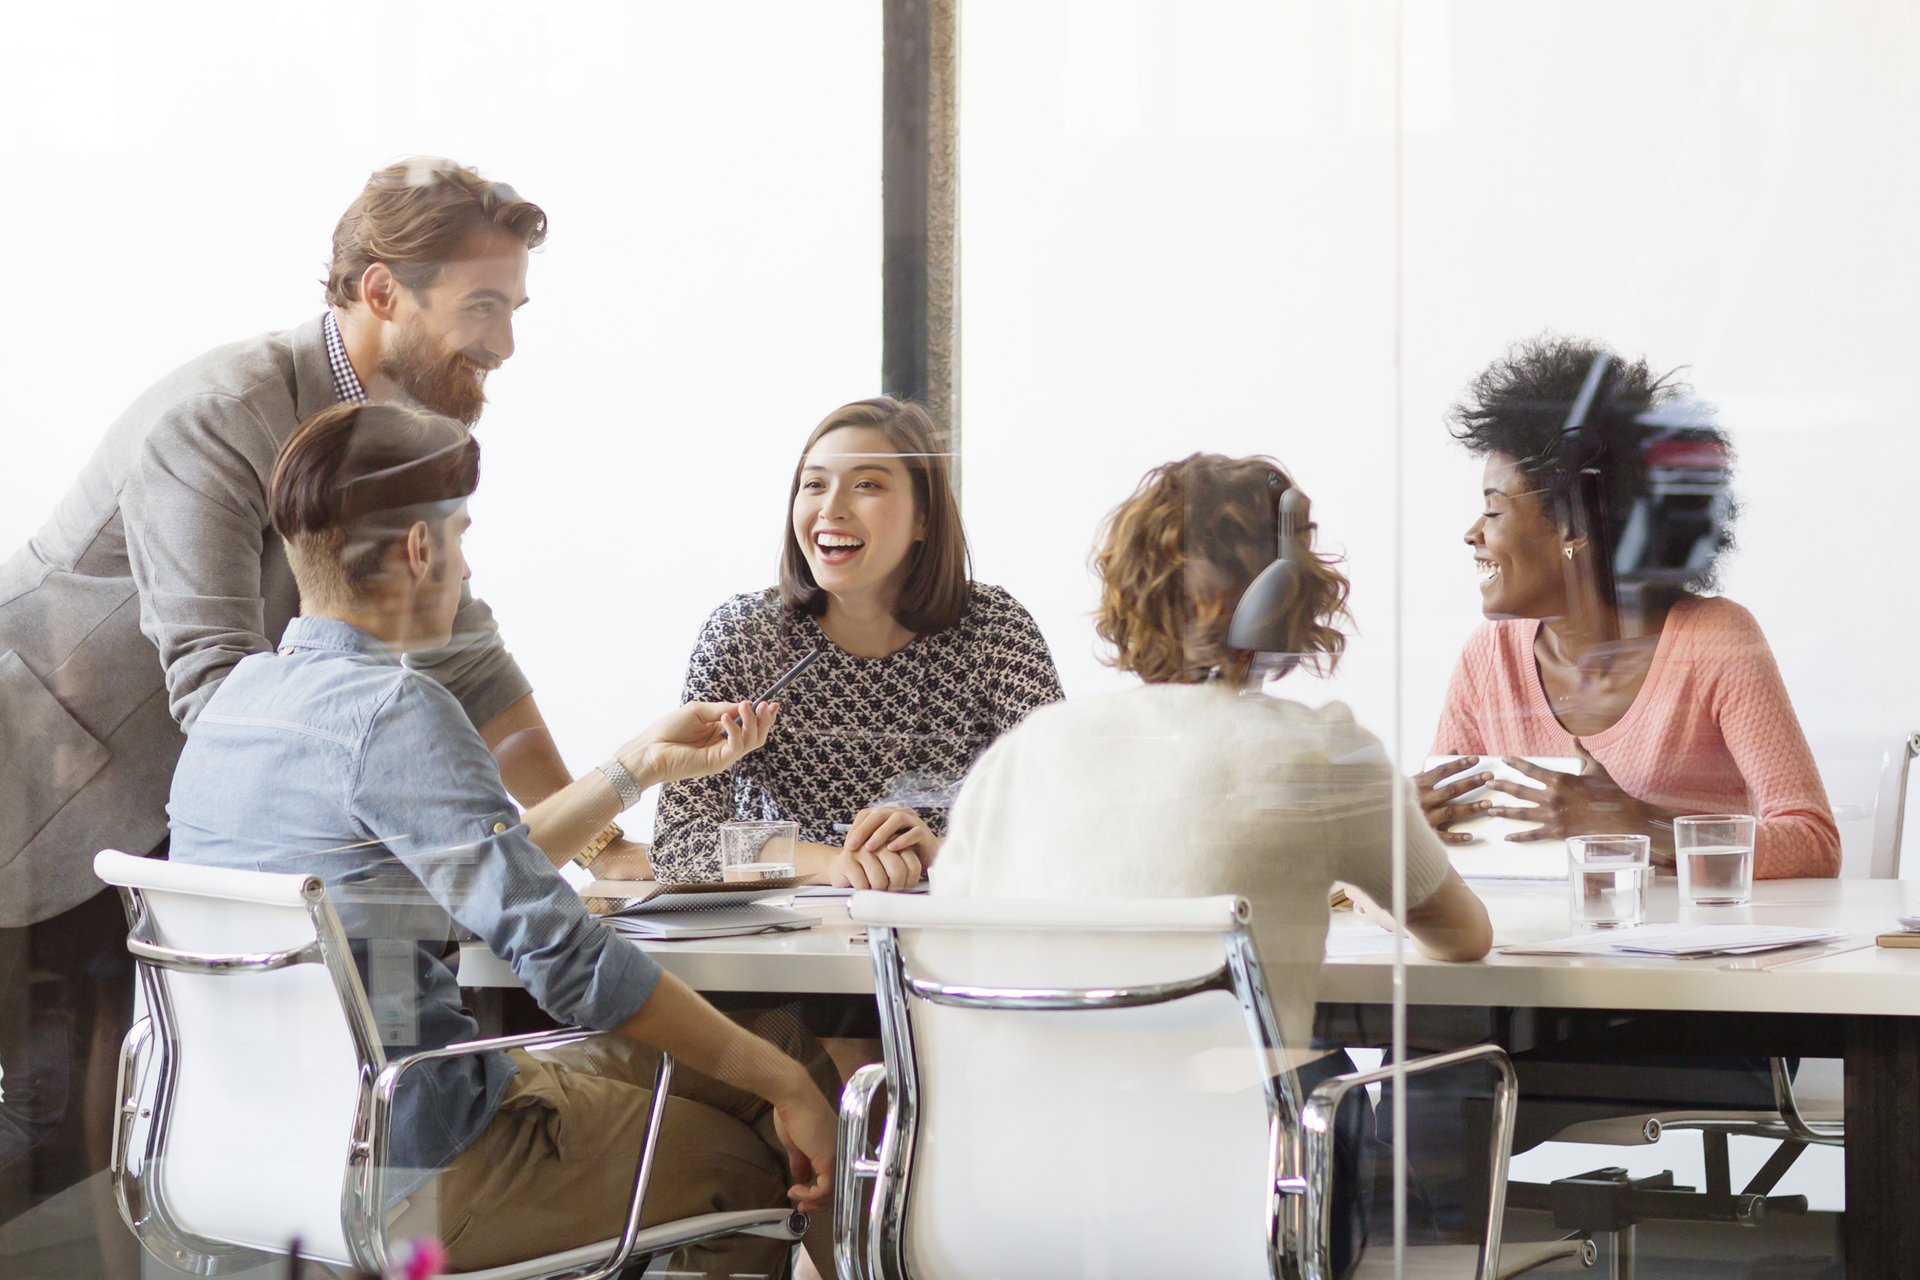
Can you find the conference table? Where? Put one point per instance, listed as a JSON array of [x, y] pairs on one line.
[[1848, 999]]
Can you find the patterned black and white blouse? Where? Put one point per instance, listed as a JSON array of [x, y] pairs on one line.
[[853, 732]]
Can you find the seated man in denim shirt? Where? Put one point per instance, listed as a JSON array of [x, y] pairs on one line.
[[332, 756]]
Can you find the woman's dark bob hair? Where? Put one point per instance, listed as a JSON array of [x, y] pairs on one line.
[[939, 580]]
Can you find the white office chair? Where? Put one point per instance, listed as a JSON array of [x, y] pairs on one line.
[[1890, 813], [1088, 1088], [256, 1102]]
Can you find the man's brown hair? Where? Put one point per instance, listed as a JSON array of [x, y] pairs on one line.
[[417, 214], [352, 479], [939, 578], [1175, 558]]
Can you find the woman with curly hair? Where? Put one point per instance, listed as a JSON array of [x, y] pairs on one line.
[[1196, 783], [1606, 513]]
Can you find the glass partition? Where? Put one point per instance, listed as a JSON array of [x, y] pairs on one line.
[[1383, 696]]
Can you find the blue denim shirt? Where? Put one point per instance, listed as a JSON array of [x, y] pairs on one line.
[[331, 757]]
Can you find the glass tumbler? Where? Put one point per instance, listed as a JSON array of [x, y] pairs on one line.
[[1714, 853], [755, 851], [1607, 880]]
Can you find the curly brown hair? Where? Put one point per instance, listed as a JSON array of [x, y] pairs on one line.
[[1175, 558]]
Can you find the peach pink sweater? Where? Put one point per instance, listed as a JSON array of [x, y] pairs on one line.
[[1712, 730]]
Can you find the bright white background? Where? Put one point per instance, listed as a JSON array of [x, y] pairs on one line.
[[1179, 233], [1178, 228], [710, 288]]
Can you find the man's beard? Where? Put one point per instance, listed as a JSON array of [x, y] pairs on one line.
[[437, 381]]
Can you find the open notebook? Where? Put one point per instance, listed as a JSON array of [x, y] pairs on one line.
[[682, 912], [1492, 856]]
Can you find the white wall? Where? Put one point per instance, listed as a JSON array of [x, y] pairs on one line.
[[710, 288], [1179, 233]]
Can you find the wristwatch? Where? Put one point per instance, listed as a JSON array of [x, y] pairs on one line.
[[623, 783], [596, 846]]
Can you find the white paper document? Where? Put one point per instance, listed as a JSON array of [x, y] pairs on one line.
[[1370, 941], [1678, 941], [836, 891], [724, 922]]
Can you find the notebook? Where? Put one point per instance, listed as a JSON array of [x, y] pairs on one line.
[[649, 897], [686, 924], [1491, 856]]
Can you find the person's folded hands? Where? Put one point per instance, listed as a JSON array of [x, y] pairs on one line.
[[887, 847], [696, 739]]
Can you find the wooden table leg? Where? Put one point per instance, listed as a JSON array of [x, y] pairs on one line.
[[1883, 1147]]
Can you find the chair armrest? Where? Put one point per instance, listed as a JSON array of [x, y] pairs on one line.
[[126, 1107], [382, 1121], [1317, 1134], [1825, 1133], [852, 1163]]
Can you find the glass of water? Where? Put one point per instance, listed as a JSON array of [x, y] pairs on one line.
[[754, 851], [1607, 879], [1715, 856]]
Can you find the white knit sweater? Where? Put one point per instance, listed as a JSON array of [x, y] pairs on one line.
[[1189, 790]]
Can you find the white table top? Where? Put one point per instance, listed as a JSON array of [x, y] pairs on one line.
[[1851, 976]]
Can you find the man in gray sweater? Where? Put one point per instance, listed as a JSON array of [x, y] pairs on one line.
[[160, 570]]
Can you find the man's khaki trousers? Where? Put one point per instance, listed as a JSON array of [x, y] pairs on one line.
[[555, 1168]]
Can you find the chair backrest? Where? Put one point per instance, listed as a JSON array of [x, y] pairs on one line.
[[265, 1052], [1865, 775], [1896, 811], [1111, 1132]]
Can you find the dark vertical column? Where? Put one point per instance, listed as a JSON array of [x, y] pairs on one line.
[[919, 189], [1883, 1147]]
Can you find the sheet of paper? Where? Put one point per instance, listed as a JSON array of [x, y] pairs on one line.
[[1362, 942], [835, 891], [1674, 941]]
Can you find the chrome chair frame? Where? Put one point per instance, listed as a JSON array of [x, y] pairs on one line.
[[1300, 1137], [137, 1187]]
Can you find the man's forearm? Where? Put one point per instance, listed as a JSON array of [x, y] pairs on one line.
[[676, 1020], [530, 762]]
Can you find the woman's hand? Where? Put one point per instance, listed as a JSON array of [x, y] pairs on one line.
[[887, 847], [1588, 803], [1438, 799], [696, 739]]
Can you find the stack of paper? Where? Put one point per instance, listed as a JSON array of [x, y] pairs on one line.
[[1680, 941], [684, 925]]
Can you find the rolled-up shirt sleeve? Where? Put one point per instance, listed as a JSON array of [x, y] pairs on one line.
[[426, 787]]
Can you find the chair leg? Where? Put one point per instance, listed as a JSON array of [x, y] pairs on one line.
[[1620, 1252], [1719, 1167], [1775, 1168]]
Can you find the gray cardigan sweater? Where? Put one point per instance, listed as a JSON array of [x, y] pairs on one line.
[[157, 572]]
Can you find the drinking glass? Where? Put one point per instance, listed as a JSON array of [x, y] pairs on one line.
[[1715, 856], [751, 851], [1607, 880]]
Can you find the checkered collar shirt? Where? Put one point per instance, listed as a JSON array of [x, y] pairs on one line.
[[346, 383]]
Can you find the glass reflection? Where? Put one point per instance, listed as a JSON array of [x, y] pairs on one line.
[[1607, 509], [1196, 782]]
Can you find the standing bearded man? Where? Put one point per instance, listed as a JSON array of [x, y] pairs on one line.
[[160, 570]]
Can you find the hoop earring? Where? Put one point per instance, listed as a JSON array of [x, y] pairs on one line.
[[1569, 553]]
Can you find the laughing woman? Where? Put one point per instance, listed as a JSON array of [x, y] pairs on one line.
[[1606, 511], [920, 667]]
